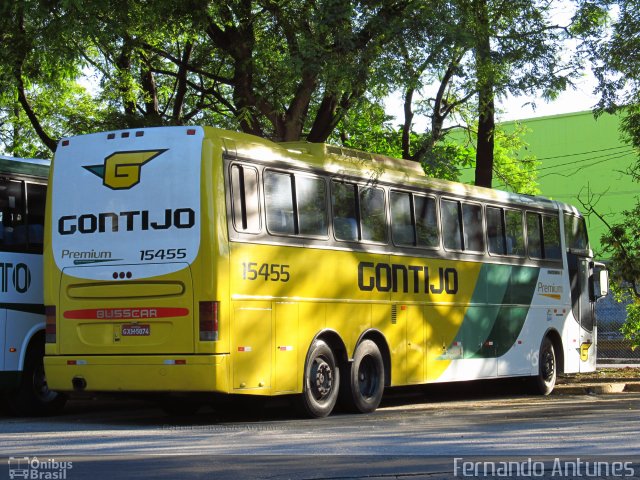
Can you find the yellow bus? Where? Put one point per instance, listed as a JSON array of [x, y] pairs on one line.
[[193, 259]]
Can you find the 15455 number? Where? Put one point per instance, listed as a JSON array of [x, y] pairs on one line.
[[274, 272], [163, 254]]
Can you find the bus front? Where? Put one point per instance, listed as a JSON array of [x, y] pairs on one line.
[[124, 295]]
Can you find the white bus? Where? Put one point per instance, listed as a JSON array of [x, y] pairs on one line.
[[23, 185]]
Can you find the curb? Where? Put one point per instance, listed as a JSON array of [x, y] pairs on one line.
[[597, 388]]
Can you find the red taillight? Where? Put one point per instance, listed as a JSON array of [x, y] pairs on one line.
[[50, 328], [209, 321]]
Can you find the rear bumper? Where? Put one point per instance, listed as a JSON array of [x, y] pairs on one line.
[[146, 373]]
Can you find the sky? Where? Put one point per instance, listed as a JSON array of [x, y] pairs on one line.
[[578, 100]]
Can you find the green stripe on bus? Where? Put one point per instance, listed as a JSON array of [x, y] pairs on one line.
[[497, 311]]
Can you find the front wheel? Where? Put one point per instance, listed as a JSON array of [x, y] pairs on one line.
[[544, 382], [366, 380], [321, 381], [33, 397]]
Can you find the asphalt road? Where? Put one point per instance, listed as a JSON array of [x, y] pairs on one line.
[[414, 435]]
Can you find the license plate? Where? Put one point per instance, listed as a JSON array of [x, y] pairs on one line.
[[136, 330]]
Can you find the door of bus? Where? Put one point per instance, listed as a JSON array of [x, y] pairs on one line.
[[583, 307]]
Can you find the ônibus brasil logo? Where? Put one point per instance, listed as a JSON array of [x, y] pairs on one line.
[[121, 170]]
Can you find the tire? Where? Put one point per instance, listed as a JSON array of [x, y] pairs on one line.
[[321, 381], [365, 383], [33, 397], [544, 382]]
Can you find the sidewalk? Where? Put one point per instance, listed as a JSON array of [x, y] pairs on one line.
[[607, 379]]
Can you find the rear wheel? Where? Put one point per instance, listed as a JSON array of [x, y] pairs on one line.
[[366, 379], [321, 381], [544, 382], [33, 397]]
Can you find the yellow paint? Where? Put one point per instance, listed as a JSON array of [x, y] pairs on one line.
[[274, 300], [584, 351], [122, 169]]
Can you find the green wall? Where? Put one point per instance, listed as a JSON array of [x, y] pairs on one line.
[[582, 157]]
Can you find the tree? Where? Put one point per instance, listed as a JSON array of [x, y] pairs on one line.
[[614, 50], [477, 51], [39, 98]]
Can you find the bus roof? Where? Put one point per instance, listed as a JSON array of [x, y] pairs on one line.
[[32, 167]]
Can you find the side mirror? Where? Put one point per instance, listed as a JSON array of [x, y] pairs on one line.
[[604, 283], [600, 282]]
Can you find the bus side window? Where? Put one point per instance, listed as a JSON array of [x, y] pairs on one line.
[[451, 224], [345, 221], [36, 195], [402, 229], [311, 195], [534, 239], [551, 237], [514, 233], [373, 214], [495, 231], [245, 204], [13, 229], [472, 227], [427, 229], [278, 197]]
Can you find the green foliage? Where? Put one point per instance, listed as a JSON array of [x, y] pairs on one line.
[[445, 159], [631, 327], [516, 172], [367, 127]]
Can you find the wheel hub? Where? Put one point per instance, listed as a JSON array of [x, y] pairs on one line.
[[324, 379]]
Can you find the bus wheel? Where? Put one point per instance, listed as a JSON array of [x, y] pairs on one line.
[[545, 380], [321, 381], [366, 379], [33, 397]]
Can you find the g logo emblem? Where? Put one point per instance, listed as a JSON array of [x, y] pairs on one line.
[[121, 170]]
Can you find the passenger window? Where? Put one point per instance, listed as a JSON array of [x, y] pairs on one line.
[[345, 220], [414, 221], [372, 213], [534, 243], [36, 196], [514, 233], [311, 195], [13, 228], [451, 231], [402, 229], [278, 197], [245, 203], [495, 231], [426, 221], [575, 232], [472, 227], [551, 237]]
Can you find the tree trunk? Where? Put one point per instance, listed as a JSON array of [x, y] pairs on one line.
[[486, 109]]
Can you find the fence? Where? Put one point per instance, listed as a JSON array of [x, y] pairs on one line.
[[612, 346]]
